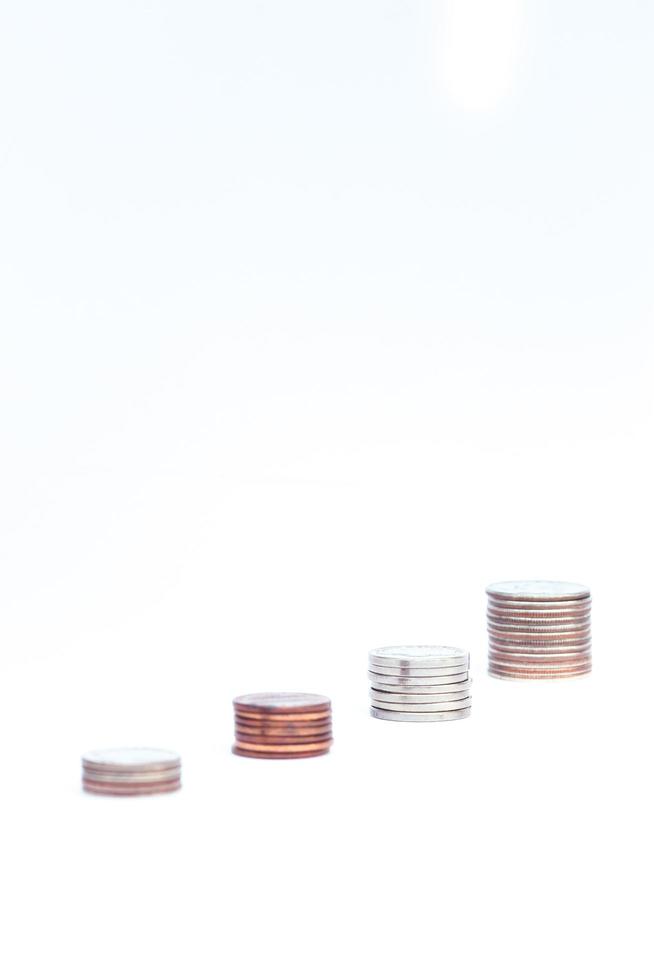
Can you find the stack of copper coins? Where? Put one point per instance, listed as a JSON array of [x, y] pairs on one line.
[[419, 683], [538, 630], [131, 772], [282, 726]]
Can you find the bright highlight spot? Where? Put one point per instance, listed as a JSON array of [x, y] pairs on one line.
[[479, 47]]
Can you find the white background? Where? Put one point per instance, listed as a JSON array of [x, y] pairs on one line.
[[315, 319]]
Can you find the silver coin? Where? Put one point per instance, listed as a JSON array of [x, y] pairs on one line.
[[525, 675], [145, 779], [539, 678], [532, 660], [537, 652], [538, 591], [529, 626], [460, 691], [437, 706], [538, 643], [418, 656], [538, 640], [420, 690], [544, 669], [510, 626], [573, 607], [417, 671], [572, 663], [122, 789], [538, 623], [537, 620], [444, 663], [515, 632], [552, 652], [539, 666], [131, 760], [158, 772], [432, 681], [422, 716], [539, 605]]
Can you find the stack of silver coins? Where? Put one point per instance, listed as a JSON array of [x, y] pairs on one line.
[[131, 772], [420, 683], [538, 630]]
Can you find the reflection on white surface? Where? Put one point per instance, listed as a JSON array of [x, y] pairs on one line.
[[479, 50]]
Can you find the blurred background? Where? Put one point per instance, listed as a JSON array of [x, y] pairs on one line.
[[314, 320]]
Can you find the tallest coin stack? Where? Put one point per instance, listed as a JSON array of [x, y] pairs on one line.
[[538, 630]]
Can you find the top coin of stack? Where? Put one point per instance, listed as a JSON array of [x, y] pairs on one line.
[[131, 772], [282, 726], [538, 630], [420, 683]]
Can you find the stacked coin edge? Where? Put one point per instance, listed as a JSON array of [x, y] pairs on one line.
[[131, 772], [538, 630], [282, 726], [419, 683]]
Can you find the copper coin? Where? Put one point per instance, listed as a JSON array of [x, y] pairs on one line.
[[284, 726], [239, 750], [254, 716], [288, 732], [280, 724], [242, 737], [312, 718], [286, 703], [318, 743]]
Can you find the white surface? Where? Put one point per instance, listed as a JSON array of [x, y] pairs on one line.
[[315, 320]]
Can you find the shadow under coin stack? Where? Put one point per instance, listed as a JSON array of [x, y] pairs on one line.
[[538, 630], [282, 726], [420, 683], [131, 772]]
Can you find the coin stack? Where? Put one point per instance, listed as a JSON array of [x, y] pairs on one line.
[[420, 683], [131, 772], [538, 630], [282, 726]]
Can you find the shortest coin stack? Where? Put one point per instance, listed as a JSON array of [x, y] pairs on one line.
[[282, 726], [419, 683], [131, 772]]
